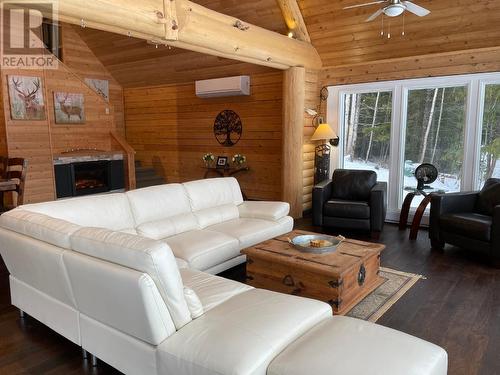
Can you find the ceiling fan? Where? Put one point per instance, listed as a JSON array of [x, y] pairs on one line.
[[393, 8]]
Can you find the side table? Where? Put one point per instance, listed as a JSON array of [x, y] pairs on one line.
[[419, 213]]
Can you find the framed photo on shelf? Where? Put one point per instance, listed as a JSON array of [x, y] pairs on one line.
[[221, 162]]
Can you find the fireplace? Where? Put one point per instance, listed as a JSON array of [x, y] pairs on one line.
[[89, 177]]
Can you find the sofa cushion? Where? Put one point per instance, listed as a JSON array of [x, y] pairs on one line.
[[212, 290], [193, 301], [39, 226], [203, 249], [142, 254], [214, 200], [489, 197], [110, 211], [470, 224], [384, 351], [250, 232], [158, 202], [264, 210], [167, 227], [241, 335], [354, 185], [213, 192], [347, 209]]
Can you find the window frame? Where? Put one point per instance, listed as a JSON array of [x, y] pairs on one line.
[[475, 85]]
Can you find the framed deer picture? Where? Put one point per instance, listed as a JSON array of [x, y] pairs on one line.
[[69, 108], [100, 86], [26, 98]]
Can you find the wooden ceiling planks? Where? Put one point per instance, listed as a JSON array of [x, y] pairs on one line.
[[135, 63], [341, 37]]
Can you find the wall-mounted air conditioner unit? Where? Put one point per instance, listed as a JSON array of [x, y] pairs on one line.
[[229, 86]]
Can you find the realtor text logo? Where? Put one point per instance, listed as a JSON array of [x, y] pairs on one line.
[[23, 34]]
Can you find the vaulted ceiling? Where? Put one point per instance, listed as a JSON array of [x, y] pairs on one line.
[[341, 37]]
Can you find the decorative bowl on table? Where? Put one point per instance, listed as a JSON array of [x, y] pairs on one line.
[[316, 243]]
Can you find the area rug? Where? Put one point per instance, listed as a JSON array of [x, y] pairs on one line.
[[376, 304]]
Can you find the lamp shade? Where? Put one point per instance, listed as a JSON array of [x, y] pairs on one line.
[[322, 132]]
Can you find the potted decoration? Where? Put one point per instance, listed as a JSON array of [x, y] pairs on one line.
[[208, 158], [239, 159]]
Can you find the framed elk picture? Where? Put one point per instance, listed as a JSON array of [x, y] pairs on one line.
[[100, 86], [69, 108], [26, 98]]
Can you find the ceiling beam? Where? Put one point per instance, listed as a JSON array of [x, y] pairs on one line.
[[192, 27], [293, 19]]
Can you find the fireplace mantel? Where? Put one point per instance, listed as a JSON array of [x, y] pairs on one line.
[[79, 157]]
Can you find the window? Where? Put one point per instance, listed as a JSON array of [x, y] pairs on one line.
[[367, 132], [435, 123], [490, 136], [392, 127]]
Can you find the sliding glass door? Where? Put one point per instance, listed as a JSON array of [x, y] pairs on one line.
[[393, 127]]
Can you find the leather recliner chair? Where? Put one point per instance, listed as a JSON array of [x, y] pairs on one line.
[[352, 199], [469, 220]]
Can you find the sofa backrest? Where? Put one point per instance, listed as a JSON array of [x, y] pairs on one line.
[[119, 297], [142, 254], [110, 211], [351, 184], [161, 211], [37, 264], [214, 200]]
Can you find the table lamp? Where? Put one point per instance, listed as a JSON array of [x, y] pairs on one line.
[[322, 152]]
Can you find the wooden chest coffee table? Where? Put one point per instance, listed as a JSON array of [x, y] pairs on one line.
[[341, 278]]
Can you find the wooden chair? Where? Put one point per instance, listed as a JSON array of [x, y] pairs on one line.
[[15, 169], [3, 166]]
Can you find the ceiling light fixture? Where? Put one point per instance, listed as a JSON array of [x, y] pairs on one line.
[[394, 10]]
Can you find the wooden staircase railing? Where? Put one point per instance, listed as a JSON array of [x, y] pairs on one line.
[[129, 158]]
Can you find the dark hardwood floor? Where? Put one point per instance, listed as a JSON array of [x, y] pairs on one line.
[[456, 307]]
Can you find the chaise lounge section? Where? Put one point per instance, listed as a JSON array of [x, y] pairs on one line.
[[85, 268]]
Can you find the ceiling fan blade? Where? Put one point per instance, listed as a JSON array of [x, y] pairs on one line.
[[374, 15], [366, 4], [415, 9]]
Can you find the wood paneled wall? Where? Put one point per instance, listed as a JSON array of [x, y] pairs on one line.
[[3, 134], [434, 65], [81, 60], [39, 141], [170, 129]]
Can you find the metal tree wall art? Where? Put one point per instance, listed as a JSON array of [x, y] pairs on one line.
[[228, 128]]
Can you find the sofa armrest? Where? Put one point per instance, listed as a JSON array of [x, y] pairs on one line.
[[378, 206], [272, 211], [495, 230], [447, 204], [321, 193]]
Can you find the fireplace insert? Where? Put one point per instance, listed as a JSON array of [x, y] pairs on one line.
[[90, 177]]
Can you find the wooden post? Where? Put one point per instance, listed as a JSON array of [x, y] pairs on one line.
[[294, 80]]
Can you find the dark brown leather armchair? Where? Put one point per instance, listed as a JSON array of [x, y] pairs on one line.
[[470, 220], [352, 199]]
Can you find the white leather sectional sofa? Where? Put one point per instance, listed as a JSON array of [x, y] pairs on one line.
[[129, 278]]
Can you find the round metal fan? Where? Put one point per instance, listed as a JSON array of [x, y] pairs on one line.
[[425, 174]]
